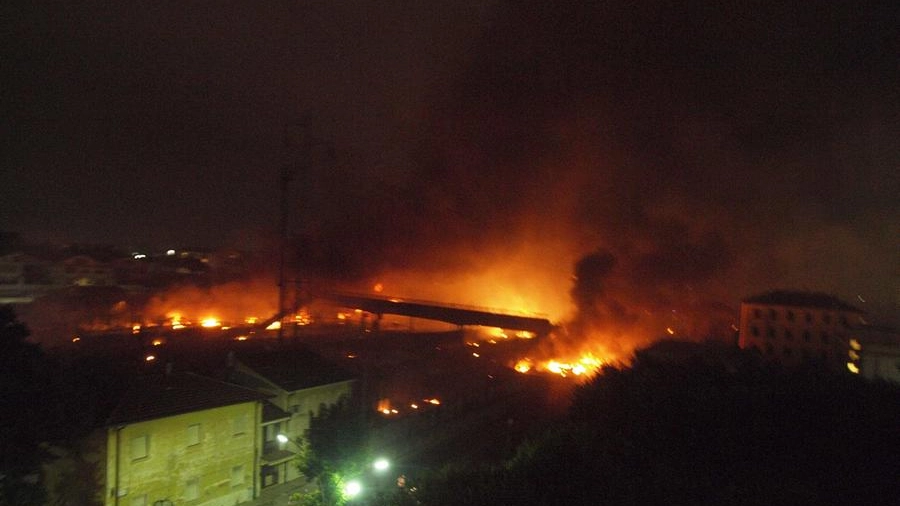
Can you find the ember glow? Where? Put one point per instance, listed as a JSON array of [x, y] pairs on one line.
[[210, 322]]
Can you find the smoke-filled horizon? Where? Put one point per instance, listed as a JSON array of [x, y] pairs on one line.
[[700, 154], [623, 168]]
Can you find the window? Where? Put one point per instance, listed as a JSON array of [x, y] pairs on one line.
[[824, 337], [788, 334], [770, 332], [790, 315], [757, 313], [272, 431], [807, 336], [808, 317], [140, 447], [826, 318], [192, 489], [193, 434], [770, 350], [788, 352], [237, 475], [140, 500], [773, 314], [754, 331]]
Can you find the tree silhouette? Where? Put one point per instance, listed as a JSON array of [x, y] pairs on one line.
[[23, 386]]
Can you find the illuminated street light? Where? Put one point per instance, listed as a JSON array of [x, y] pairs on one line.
[[381, 465], [352, 489], [281, 438]]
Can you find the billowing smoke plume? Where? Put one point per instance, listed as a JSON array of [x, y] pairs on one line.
[[676, 157]]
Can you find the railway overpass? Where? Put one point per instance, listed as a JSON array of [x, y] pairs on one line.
[[457, 315]]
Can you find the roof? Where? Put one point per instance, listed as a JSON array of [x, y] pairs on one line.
[[293, 368], [165, 395], [802, 299]]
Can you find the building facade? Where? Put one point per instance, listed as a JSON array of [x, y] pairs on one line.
[[183, 439], [298, 383], [797, 327]]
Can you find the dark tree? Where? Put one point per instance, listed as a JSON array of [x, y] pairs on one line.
[[705, 429], [334, 448], [23, 386]]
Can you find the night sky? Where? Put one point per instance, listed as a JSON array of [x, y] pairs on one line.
[[683, 153]]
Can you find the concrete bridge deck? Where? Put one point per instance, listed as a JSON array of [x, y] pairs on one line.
[[457, 315]]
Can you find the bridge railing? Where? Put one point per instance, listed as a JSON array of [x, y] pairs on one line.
[[448, 305]]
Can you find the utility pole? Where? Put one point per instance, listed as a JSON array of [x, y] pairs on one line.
[[284, 180], [306, 143]]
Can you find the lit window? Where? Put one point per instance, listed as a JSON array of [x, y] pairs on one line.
[[140, 447], [192, 489], [193, 434], [237, 475]]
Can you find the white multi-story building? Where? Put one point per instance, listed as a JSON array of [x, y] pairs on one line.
[[793, 327]]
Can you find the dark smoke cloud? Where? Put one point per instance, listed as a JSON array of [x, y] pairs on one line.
[[695, 153]]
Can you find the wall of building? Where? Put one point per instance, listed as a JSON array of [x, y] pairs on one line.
[[202, 458], [792, 335], [881, 361], [302, 404]]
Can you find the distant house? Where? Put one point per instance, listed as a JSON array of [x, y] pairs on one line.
[[298, 382], [183, 438], [82, 270], [793, 327], [23, 278], [877, 353]]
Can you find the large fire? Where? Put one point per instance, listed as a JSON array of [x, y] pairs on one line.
[[583, 366], [521, 283]]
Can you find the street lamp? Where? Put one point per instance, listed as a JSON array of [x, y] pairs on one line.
[[381, 465], [352, 489]]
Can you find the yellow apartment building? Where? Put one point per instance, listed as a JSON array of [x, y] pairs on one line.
[[184, 439]]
